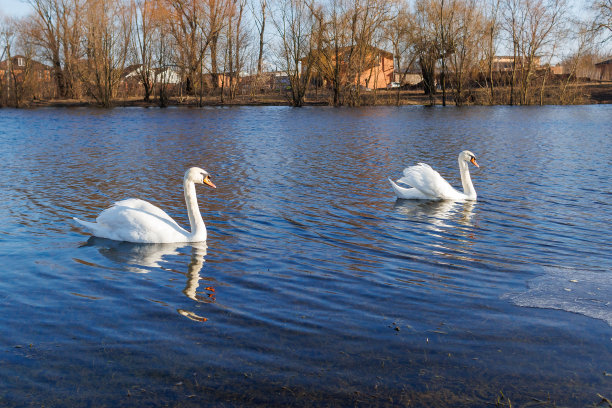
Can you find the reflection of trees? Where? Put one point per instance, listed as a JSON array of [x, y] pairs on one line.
[[140, 258]]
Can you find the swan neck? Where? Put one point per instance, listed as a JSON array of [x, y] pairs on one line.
[[466, 180], [198, 229]]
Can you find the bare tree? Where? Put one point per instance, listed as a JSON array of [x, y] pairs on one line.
[[399, 34], [426, 45], [366, 23], [514, 18], [185, 25], [259, 17], [107, 42], [7, 82], [71, 23], [490, 38], [603, 16], [543, 28], [533, 26], [466, 33], [48, 31], [348, 33], [331, 43], [235, 47], [295, 23], [56, 28], [163, 46], [145, 27], [29, 85], [217, 12], [445, 19]]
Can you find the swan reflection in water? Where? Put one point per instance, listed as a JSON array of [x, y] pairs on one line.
[[448, 222], [142, 258], [439, 213]]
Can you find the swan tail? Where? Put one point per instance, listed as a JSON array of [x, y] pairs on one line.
[[91, 226], [397, 189], [99, 230], [407, 193]]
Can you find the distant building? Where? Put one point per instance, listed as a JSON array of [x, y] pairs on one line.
[[506, 63], [30, 78], [167, 74], [21, 66], [604, 68], [408, 77], [376, 74], [558, 69], [278, 80]]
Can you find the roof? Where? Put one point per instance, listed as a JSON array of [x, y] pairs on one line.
[[606, 62], [370, 48], [347, 48], [14, 59]]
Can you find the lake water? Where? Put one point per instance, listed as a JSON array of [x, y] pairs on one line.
[[316, 287]]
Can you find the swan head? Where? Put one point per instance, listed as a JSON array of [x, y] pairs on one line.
[[198, 176], [468, 157]]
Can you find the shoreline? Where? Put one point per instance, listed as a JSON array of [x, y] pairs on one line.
[[586, 94]]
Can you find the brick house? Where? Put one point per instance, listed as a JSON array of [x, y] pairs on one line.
[[376, 74], [27, 73]]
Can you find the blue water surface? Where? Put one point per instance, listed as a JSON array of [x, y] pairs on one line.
[[316, 286]]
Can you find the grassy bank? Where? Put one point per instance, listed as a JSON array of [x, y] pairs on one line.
[[575, 94]]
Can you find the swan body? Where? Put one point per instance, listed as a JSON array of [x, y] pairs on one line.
[[136, 220], [428, 184]]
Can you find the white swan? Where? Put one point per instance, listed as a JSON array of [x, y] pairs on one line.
[[428, 184], [135, 220]]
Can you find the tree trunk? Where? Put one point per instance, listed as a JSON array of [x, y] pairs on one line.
[[213, 61], [261, 38]]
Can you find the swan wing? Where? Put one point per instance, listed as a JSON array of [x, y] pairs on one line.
[[142, 205], [138, 221], [429, 182]]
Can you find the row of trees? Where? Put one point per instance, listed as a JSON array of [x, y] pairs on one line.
[[452, 43]]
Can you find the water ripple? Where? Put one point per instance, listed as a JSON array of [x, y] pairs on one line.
[[312, 266]]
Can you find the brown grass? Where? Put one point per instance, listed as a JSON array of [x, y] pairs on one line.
[[584, 93]]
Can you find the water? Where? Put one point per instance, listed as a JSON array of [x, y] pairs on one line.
[[316, 286]]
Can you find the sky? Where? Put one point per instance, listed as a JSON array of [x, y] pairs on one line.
[[20, 8], [14, 8]]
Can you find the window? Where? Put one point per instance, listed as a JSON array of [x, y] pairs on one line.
[[20, 62]]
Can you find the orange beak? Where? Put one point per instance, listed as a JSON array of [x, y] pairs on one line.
[[473, 160], [208, 182]]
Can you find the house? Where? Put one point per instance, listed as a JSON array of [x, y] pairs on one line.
[[408, 77], [167, 74], [223, 79], [604, 68], [505, 63], [24, 77], [376, 73], [558, 69], [20, 66], [278, 80]]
